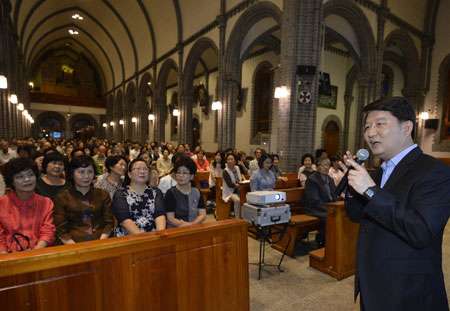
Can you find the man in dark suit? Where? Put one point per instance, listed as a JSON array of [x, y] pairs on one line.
[[319, 190], [402, 208]]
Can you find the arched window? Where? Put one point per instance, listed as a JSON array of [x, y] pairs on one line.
[[262, 101]]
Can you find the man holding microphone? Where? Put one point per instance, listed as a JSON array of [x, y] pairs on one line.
[[402, 208]]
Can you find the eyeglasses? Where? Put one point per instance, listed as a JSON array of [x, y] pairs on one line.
[[182, 173], [141, 169]]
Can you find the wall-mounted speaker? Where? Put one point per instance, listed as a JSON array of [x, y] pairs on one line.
[[306, 70], [432, 124]]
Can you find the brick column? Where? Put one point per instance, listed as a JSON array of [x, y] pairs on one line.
[[348, 100], [300, 45]]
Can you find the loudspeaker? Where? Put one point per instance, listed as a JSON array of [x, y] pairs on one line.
[[432, 124], [324, 84], [306, 70]]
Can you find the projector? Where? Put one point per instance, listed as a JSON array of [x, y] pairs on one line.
[[265, 197]]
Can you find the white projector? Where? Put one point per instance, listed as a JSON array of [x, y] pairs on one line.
[[266, 197]]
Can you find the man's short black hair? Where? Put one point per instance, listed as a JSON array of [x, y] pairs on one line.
[[52, 157], [186, 162], [399, 107], [263, 158], [113, 160], [17, 165]]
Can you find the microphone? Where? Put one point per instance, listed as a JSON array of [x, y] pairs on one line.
[[361, 156]]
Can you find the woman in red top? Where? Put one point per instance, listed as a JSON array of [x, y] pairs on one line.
[[26, 218], [202, 163]]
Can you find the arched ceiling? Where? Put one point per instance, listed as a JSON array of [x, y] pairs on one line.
[[118, 37]]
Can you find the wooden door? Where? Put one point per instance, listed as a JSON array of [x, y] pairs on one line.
[[331, 138]]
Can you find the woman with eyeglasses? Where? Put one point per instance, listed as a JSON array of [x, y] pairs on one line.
[[52, 183], [184, 204], [138, 207], [83, 212], [26, 218]]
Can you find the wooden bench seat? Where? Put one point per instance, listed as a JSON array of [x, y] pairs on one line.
[[298, 226], [202, 177]]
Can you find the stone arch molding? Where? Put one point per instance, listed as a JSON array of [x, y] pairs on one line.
[[440, 144], [335, 118], [361, 26]]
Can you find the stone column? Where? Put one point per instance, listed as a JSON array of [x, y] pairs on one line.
[[417, 98], [160, 111], [301, 41], [348, 100], [185, 99]]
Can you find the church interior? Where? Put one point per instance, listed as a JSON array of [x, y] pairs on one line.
[[286, 76]]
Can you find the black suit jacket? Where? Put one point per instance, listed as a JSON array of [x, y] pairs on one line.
[[317, 196], [399, 249]]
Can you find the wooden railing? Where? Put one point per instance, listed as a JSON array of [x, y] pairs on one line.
[[203, 267], [46, 98]]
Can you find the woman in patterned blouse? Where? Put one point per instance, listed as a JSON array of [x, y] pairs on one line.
[[138, 207]]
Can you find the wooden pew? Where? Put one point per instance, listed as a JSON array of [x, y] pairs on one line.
[[445, 160], [223, 209], [338, 256], [201, 177], [203, 267]]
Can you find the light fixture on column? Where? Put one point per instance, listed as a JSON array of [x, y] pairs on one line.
[[20, 107], [25, 112], [3, 82], [176, 112], [111, 123], [217, 105], [32, 120], [424, 115], [281, 92], [134, 119], [121, 122], [105, 125], [151, 117], [13, 99]]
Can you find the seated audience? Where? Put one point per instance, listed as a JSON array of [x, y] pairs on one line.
[[216, 170], [134, 153], [26, 218], [321, 153], [184, 203], [138, 207], [6, 153], [82, 213], [275, 170], [335, 173], [201, 162], [164, 165], [253, 165], [231, 178], [319, 190], [307, 168], [52, 183], [263, 179], [146, 156], [38, 158], [168, 181], [112, 180], [241, 163]]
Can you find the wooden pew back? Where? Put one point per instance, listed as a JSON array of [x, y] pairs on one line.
[[150, 271]]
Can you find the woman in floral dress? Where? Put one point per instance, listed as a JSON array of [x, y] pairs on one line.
[[138, 207]]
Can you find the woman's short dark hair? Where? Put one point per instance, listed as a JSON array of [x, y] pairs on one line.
[[17, 165], [77, 150], [400, 107], [305, 156], [26, 148], [111, 161], [273, 156], [36, 155], [186, 162], [263, 158], [233, 155], [80, 161], [127, 180], [52, 157]]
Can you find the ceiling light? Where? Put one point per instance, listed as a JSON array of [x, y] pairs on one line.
[[105, 125], [13, 99], [151, 117], [3, 82], [281, 92], [176, 112], [77, 16], [121, 122], [134, 119], [20, 107], [73, 32], [31, 84]]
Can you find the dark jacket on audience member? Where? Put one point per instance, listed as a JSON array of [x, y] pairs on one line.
[[317, 195], [70, 209]]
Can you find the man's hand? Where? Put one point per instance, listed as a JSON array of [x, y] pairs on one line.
[[358, 178]]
